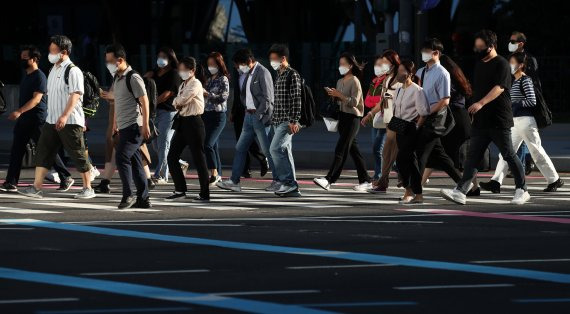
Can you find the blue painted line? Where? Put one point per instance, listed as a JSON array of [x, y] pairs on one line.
[[361, 304], [351, 256], [553, 300], [152, 292], [120, 310]]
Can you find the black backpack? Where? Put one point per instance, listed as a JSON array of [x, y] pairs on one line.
[[150, 87], [3, 105], [308, 105], [541, 112], [91, 91]]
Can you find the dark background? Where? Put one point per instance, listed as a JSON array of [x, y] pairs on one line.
[[316, 31]]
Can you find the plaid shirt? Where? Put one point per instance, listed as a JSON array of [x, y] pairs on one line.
[[287, 106]]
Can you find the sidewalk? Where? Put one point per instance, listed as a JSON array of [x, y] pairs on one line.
[[312, 147]]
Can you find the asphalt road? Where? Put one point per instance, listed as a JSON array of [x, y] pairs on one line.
[[328, 251]]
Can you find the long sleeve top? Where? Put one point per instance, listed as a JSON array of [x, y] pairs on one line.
[[411, 102], [354, 102], [523, 99], [218, 89], [190, 99]]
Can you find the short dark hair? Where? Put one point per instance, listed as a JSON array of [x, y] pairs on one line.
[[243, 56], [117, 50], [33, 52], [433, 44], [280, 49], [62, 42], [488, 36], [521, 37]]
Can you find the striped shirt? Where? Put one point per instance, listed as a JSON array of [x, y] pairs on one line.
[[58, 94], [523, 99]]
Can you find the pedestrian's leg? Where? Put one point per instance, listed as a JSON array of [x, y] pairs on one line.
[[177, 146], [195, 141], [503, 141], [539, 155], [502, 167], [242, 147], [478, 143], [22, 134]]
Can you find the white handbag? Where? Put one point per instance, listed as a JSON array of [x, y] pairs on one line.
[[378, 121], [331, 124]]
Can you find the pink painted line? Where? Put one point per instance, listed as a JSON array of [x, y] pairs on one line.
[[489, 215]]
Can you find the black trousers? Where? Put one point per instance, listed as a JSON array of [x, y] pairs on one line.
[[429, 146], [452, 142], [348, 127], [27, 128], [478, 143], [189, 132], [254, 149], [129, 161], [408, 166]]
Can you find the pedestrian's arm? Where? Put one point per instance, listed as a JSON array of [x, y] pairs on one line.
[[295, 113], [36, 99], [492, 95], [439, 105]]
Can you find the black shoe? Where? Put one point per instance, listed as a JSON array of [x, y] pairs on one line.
[[65, 184], [246, 174], [200, 199], [552, 187], [492, 186], [142, 203], [476, 192], [127, 202], [103, 187], [264, 167], [529, 166], [8, 187], [151, 184], [176, 196]]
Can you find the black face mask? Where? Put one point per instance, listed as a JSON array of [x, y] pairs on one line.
[[481, 54], [24, 64]]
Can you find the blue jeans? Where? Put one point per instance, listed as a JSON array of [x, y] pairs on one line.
[[523, 153], [282, 154], [379, 137], [129, 161], [214, 123], [252, 128], [161, 144]]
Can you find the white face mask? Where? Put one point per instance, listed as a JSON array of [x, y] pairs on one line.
[[213, 70], [244, 68], [54, 58], [426, 56], [343, 70], [381, 69], [513, 47], [112, 67], [161, 62], [184, 75], [275, 65], [514, 69]]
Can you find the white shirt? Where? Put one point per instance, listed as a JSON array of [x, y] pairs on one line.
[[249, 104], [58, 93]]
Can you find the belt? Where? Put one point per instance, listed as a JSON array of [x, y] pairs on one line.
[[251, 111]]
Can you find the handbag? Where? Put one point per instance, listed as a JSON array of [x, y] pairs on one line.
[[176, 121], [400, 125], [378, 121], [440, 123], [331, 124], [330, 109]]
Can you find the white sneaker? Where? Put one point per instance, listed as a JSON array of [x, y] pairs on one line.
[[85, 194], [273, 187], [521, 197], [323, 183], [229, 185], [363, 187], [454, 195], [53, 177], [94, 173]]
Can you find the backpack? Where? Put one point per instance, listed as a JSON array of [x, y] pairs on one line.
[[150, 87], [308, 105], [90, 93], [3, 105], [541, 112]]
